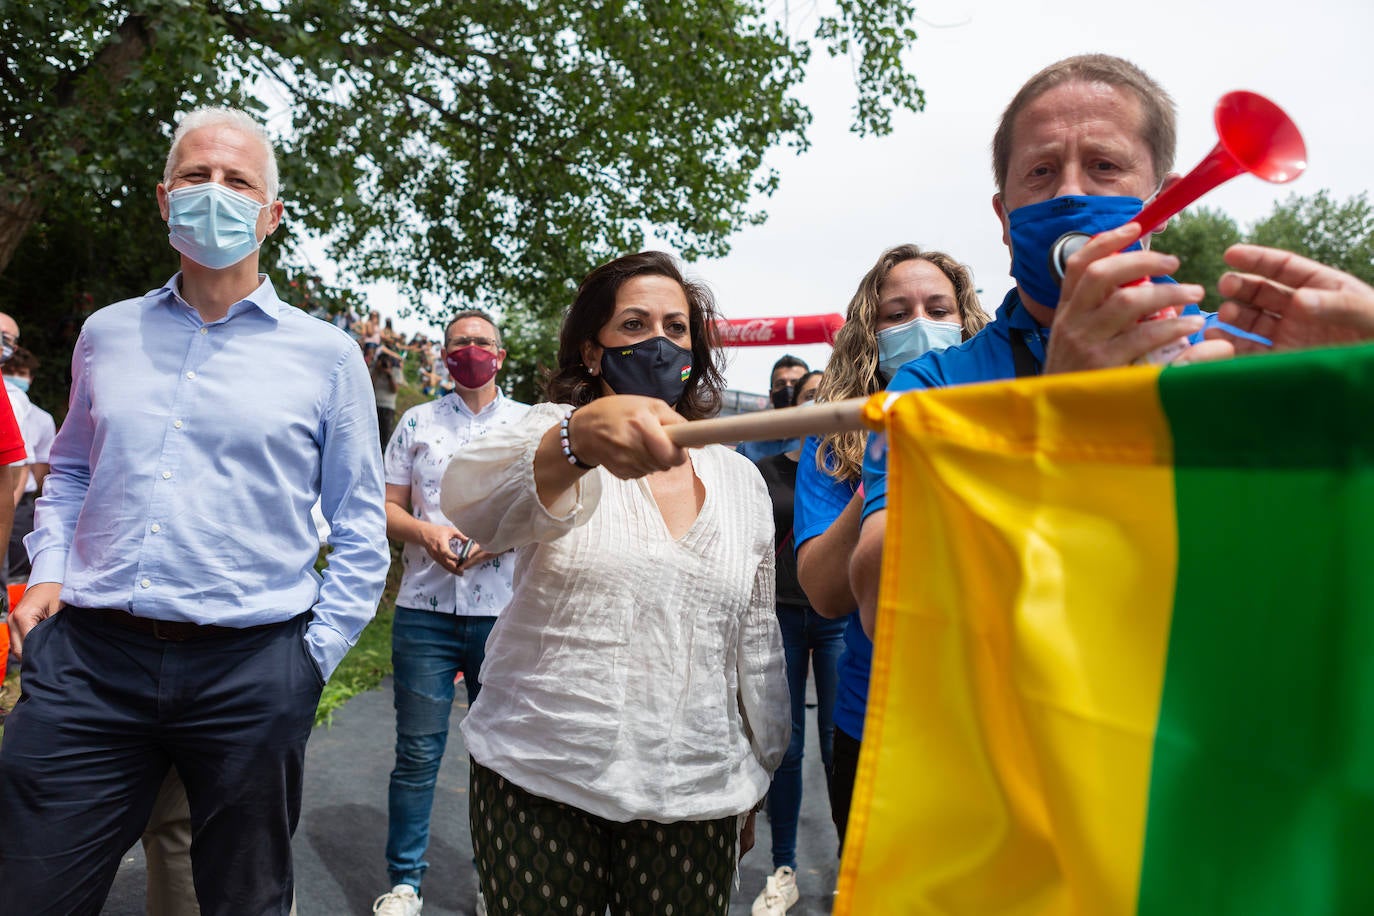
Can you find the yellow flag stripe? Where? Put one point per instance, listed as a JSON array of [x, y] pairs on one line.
[[1006, 755]]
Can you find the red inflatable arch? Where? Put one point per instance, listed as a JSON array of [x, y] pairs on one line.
[[777, 332]]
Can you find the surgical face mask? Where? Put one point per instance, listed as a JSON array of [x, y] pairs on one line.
[[655, 368], [902, 343], [1036, 227], [471, 366], [212, 225], [21, 383]]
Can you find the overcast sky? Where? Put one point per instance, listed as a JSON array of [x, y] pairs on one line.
[[846, 199]]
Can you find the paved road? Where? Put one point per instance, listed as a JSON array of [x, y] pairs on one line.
[[339, 845]]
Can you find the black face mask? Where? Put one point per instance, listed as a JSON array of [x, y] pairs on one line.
[[782, 397], [656, 368]]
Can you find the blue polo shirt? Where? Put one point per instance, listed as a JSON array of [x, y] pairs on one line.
[[987, 357], [818, 501]]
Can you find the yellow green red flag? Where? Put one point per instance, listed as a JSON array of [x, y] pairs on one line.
[[1125, 654]]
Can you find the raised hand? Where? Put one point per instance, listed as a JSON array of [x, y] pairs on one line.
[[1098, 322], [624, 434], [1293, 301]]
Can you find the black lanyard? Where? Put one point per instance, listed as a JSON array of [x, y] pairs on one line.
[[1022, 359]]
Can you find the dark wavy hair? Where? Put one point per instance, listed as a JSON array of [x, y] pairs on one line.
[[593, 308]]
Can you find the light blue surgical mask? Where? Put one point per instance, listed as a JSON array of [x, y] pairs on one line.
[[212, 225], [21, 383], [902, 343]]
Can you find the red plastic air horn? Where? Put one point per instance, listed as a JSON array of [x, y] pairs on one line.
[[1255, 136]]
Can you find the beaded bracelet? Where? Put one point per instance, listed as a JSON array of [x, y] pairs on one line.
[[567, 444]]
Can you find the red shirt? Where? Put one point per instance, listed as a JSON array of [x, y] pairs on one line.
[[11, 440]]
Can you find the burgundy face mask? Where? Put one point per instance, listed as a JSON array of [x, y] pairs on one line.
[[472, 366]]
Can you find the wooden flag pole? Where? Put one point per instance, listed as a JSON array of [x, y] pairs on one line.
[[787, 423]]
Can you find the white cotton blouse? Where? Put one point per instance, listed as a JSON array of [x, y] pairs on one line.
[[632, 675]]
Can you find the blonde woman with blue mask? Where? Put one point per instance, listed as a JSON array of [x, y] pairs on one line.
[[909, 302]]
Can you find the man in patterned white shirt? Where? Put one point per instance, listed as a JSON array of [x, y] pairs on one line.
[[451, 591]]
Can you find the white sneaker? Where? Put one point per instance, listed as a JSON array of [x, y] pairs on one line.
[[778, 894], [481, 907], [401, 901]]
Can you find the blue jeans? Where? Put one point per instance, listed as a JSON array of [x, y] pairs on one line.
[[428, 650], [806, 637]]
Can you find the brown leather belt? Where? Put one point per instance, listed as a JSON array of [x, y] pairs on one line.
[[169, 630]]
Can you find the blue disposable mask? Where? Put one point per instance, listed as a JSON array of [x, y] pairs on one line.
[[1036, 227], [902, 343], [21, 383], [655, 368], [212, 225]]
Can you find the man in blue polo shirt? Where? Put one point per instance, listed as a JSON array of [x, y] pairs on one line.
[[1079, 148]]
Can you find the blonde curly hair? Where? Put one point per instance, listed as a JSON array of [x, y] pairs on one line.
[[852, 371]]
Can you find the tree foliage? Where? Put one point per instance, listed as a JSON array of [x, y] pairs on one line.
[[1198, 238], [1337, 233], [487, 152]]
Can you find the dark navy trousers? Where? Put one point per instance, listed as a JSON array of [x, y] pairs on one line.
[[104, 711]]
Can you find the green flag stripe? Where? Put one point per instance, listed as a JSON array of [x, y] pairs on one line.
[[1262, 782]]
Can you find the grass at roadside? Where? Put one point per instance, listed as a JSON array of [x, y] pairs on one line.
[[370, 658], [362, 668]]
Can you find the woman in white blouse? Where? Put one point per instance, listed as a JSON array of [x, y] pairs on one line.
[[634, 702]]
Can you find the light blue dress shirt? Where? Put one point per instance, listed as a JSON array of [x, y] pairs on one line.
[[183, 477]]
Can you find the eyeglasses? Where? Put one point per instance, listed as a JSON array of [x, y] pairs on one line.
[[485, 343]]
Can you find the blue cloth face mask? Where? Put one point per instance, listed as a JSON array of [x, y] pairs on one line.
[[655, 368], [21, 383], [212, 225], [1036, 227], [902, 343]]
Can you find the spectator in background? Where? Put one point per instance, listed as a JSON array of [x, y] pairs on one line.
[[910, 301], [450, 593], [394, 339], [787, 371], [441, 379], [369, 332], [387, 379], [38, 428], [424, 358], [809, 641], [13, 455]]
